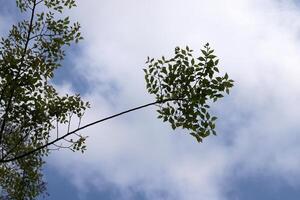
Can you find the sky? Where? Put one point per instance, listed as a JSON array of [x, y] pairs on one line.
[[254, 156]]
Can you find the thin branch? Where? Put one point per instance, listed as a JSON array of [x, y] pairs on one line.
[[22, 60], [17, 144], [69, 122], [43, 35], [57, 131], [63, 147], [39, 2], [79, 123], [84, 127]]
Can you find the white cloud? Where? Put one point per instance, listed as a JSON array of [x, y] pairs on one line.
[[257, 42], [5, 22]]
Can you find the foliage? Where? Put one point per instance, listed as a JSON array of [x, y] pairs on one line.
[[29, 104], [184, 87], [31, 108]]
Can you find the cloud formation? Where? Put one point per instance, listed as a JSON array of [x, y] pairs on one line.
[[257, 43]]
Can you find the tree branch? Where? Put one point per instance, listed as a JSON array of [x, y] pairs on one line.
[[22, 60], [3, 160]]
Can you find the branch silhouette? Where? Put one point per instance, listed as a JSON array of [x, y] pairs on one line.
[[3, 160]]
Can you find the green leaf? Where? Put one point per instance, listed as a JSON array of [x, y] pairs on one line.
[[226, 76], [214, 118], [30, 105], [195, 84]]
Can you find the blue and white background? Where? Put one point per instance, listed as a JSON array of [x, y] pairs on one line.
[[256, 154]]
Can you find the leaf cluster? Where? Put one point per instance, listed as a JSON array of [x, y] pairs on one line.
[[29, 104], [184, 87]]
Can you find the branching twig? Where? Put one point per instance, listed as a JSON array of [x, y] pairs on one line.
[[84, 127], [22, 60]]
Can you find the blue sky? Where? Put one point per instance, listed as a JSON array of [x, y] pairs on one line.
[[254, 156]]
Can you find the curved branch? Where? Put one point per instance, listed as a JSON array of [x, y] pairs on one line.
[[3, 160]]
